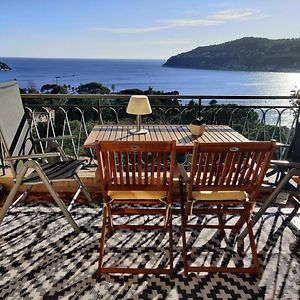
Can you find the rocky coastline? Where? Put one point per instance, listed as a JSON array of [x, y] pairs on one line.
[[245, 54], [4, 67]]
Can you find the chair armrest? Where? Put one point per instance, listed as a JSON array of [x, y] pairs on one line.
[[54, 138], [282, 145], [33, 156], [285, 163]]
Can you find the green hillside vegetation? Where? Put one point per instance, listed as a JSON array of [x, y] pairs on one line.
[[164, 111], [245, 54]]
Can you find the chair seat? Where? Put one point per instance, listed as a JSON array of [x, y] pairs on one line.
[[58, 171], [219, 195], [126, 195]]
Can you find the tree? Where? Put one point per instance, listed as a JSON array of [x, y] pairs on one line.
[[92, 88], [296, 94], [54, 89]]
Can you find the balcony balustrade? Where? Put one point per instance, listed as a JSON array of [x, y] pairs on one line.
[[76, 114]]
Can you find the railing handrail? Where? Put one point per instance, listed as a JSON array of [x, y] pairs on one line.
[[114, 96], [165, 106]]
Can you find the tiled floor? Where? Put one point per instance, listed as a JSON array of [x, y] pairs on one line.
[[42, 258]]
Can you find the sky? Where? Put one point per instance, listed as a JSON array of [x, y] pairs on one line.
[[141, 29]]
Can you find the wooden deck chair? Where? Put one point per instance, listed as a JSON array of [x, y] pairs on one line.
[[19, 152], [136, 173], [224, 180]]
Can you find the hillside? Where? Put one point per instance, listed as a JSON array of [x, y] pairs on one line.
[[4, 67], [245, 54]]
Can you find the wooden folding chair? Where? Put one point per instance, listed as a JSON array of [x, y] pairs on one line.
[[139, 174], [224, 179]]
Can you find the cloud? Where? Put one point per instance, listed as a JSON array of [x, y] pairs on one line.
[[217, 18], [191, 22], [167, 24], [132, 29], [232, 14]]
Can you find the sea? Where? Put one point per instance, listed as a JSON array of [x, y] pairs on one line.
[[120, 74]]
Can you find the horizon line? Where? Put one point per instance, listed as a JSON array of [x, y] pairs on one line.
[[107, 58]]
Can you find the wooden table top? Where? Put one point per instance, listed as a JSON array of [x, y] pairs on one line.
[[180, 133]]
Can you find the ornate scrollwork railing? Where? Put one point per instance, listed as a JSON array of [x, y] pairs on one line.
[[75, 115]]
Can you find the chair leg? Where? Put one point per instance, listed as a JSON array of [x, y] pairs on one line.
[[55, 196], [271, 198], [74, 198], [188, 207], [170, 224], [181, 196], [244, 217], [10, 198], [221, 223], [102, 240], [83, 188], [2, 160], [184, 246], [110, 227], [253, 248], [24, 195]]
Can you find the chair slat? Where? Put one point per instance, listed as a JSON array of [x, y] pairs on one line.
[[133, 167], [127, 170], [152, 167], [239, 164], [232, 168], [212, 174], [120, 168], [165, 168], [146, 168], [139, 167], [158, 167], [112, 159], [206, 168], [244, 168], [252, 162], [219, 170]]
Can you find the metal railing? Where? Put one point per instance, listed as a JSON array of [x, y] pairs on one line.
[[68, 114]]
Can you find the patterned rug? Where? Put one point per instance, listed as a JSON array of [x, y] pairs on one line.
[[42, 258]]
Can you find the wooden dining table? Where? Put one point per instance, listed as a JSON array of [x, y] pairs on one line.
[[180, 133]]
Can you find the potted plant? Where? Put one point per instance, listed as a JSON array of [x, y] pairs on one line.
[[197, 127]]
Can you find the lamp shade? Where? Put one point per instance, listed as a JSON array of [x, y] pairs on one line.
[[139, 105]]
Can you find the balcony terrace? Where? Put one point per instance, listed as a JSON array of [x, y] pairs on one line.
[[43, 257]]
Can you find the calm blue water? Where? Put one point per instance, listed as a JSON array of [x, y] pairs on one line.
[[144, 73]]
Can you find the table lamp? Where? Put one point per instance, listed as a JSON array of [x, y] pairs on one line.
[[138, 105]]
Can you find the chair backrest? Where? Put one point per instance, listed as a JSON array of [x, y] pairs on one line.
[[133, 165], [293, 153], [15, 133], [229, 166]]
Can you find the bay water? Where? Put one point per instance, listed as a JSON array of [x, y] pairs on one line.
[[119, 74]]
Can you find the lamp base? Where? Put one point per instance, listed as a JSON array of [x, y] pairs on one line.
[[136, 131]]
